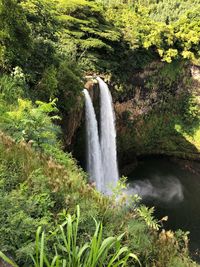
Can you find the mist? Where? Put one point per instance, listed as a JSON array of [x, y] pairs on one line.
[[159, 188]]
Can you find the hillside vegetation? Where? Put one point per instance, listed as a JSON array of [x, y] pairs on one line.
[[39, 190]]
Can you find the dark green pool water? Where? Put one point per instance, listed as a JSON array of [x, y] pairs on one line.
[[174, 191]]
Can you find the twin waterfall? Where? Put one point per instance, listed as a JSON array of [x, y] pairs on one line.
[[94, 165], [101, 152]]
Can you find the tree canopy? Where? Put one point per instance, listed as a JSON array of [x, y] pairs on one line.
[[85, 36]]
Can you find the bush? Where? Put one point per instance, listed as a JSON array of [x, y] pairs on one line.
[[30, 123], [12, 86]]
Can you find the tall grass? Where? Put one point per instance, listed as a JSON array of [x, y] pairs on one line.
[[97, 252]]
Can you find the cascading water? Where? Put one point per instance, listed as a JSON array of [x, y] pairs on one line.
[[93, 146], [108, 139]]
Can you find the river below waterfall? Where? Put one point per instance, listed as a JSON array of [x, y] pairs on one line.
[[174, 189]]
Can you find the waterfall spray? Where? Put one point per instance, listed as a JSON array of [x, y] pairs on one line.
[[94, 167], [108, 139]]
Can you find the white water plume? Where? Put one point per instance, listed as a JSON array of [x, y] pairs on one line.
[[163, 189], [108, 138], [94, 166]]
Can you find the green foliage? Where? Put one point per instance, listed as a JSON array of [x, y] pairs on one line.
[[44, 191], [46, 47], [170, 128], [167, 256], [122, 198], [26, 198], [147, 214], [68, 252], [85, 26], [32, 124], [69, 85], [30, 31], [25, 203], [6, 259], [12, 86], [66, 39], [84, 19], [41, 17], [170, 41], [42, 59], [56, 42], [171, 10], [14, 35], [190, 114], [48, 85]]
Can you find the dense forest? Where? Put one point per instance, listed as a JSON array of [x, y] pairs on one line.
[[148, 51]]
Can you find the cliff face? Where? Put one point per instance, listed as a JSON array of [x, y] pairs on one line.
[[156, 113], [160, 114]]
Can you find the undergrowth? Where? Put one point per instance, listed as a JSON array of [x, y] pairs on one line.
[[37, 191]]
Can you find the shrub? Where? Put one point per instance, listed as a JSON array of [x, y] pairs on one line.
[[30, 123]]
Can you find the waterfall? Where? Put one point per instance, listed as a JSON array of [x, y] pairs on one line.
[[94, 167], [108, 139]]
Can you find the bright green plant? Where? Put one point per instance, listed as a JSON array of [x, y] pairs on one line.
[[147, 215], [178, 40], [12, 86], [69, 253], [122, 197], [32, 123]]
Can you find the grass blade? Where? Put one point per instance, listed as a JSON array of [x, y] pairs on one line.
[[6, 259], [42, 251]]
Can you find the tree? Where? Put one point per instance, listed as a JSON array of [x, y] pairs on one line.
[[15, 42]]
